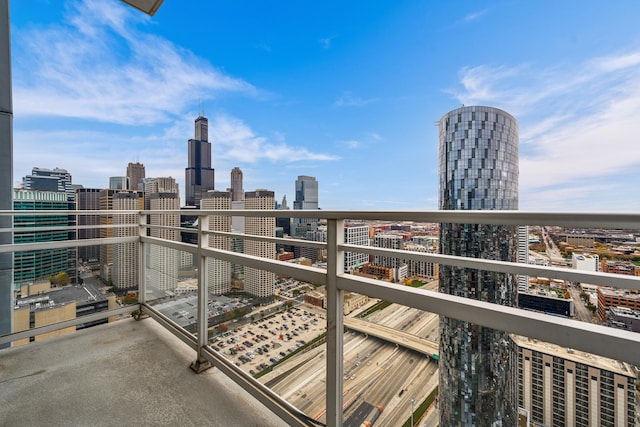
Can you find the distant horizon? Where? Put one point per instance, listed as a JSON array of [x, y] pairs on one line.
[[346, 93]]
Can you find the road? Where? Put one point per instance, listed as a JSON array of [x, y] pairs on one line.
[[375, 371], [552, 250], [582, 313]]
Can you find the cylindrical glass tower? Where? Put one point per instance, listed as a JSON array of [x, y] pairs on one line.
[[478, 165]]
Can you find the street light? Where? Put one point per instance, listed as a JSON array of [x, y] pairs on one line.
[[412, 400], [150, 7]]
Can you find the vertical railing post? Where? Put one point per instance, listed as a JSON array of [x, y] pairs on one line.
[[142, 278], [335, 322], [6, 172], [202, 364]]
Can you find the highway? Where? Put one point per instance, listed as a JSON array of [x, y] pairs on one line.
[[375, 371], [392, 335]]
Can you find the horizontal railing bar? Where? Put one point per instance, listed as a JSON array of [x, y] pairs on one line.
[[65, 244], [297, 271], [566, 219], [186, 247], [608, 342], [16, 336], [263, 394], [582, 276], [65, 228], [277, 240], [70, 212]]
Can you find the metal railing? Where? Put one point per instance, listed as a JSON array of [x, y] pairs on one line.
[[604, 341]]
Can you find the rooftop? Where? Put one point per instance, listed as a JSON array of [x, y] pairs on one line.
[[600, 362]]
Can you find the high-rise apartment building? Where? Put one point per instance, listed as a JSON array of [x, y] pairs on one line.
[[106, 250], [135, 175], [388, 241], [199, 176], [259, 283], [355, 234], [218, 271], [478, 169], [237, 193], [424, 269], [88, 199], [165, 184], [125, 255], [523, 256], [164, 262], [560, 386]]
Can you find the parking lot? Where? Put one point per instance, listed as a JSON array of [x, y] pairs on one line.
[[262, 343]]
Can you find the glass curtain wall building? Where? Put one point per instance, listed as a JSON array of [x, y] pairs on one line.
[[478, 169], [199, 175]]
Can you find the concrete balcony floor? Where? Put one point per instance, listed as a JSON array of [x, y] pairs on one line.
[[122, 373]]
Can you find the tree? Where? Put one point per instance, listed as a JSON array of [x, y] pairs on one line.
[[221, 328], [60, 279]]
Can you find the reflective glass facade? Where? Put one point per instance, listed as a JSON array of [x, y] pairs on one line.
[[478, 169]]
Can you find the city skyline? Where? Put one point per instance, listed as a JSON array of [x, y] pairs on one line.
[[97, 85]]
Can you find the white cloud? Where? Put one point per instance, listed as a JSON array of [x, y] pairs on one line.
[[474, 15], [99, 77], [326, 42], [352, 143], [349, 100], [97, 65], [577, 124], [237, 142], [376, 136]]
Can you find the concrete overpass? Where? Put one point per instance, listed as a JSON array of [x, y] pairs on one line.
[[404, 339]]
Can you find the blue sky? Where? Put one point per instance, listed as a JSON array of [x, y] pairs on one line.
[[348, 92]]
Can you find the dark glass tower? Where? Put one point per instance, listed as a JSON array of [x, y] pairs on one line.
[[199, 176], [478, 165]]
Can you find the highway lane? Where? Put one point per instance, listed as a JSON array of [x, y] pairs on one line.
[[374, 371]]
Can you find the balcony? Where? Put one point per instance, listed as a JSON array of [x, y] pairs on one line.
[[130, 371]]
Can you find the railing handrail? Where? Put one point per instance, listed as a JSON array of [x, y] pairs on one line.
[[607, 220]]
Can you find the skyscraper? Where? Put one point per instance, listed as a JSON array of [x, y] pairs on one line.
[[30, 266], [478, 167], [237, 193], [306, 199], [118, 183], [125, 255], [218, 271], [260, 283], [55, 179], [162, 194], [165, 184], [58, 180], [88, 199], [199, 176], [135, 174], [306, 193]]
